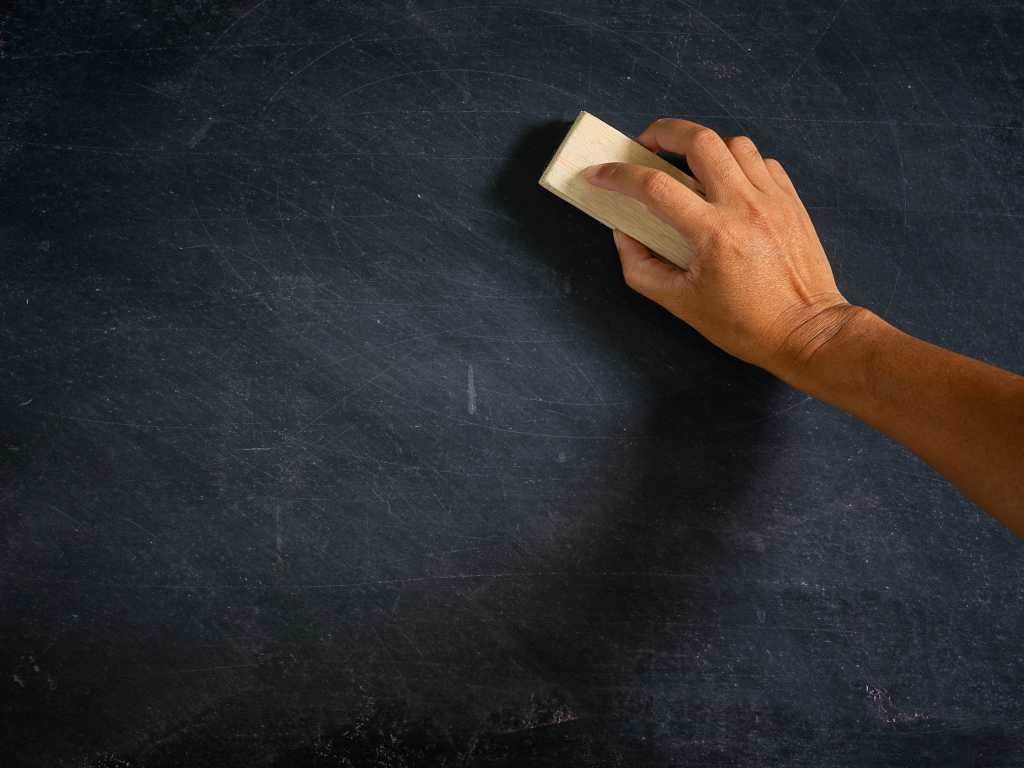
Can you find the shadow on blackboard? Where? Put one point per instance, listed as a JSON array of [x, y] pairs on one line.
[[678, 521]]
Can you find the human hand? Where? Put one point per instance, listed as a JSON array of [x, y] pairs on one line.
[[759, 284]]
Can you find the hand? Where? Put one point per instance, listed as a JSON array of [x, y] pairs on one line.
[[759, 285]]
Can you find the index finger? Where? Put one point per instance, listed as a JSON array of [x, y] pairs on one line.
[[668, 199], [705, 151]]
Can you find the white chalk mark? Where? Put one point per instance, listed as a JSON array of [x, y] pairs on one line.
[[277, 527], [200, 134], [470, 391]]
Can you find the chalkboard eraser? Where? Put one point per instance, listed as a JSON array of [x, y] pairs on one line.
[[591, 141]]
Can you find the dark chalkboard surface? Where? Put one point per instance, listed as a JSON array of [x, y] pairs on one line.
[[329, 438]]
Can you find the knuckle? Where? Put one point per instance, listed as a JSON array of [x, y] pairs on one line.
[[713, 240], [742, 145], [756, 214], [778, 172], [723, 165], [657, 186], [705, 139], [631, 277]]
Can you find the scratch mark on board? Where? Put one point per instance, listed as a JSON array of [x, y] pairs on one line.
[[895, 287], [814, 47], [141, 528], [302, 69], [252, 9], [227, 262]]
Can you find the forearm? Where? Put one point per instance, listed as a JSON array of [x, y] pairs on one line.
[[963, 417]]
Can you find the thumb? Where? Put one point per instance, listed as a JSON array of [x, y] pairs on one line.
[[649, 276]]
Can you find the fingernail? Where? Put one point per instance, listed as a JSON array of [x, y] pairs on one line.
[[590, 173]]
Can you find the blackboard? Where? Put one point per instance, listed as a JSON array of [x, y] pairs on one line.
[[330, 439]]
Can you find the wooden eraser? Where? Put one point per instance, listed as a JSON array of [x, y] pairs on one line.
[[591, 141]]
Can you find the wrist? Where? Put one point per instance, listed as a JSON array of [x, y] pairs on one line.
[[830, 348]]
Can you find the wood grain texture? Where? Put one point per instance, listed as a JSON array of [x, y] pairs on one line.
[[591, 141]]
